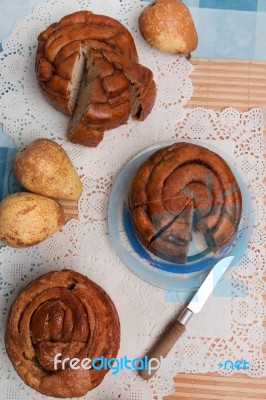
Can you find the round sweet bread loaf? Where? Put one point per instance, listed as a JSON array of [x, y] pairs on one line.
[[87, 67], [64, 314], [61, 53], [168, 26], [181, 188]]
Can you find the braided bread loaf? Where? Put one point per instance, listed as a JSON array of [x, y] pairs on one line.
[[87, 67]]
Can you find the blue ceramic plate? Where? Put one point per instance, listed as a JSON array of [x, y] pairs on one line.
[[153, 269]]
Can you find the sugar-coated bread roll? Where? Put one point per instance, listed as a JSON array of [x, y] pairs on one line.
[[168, 26]]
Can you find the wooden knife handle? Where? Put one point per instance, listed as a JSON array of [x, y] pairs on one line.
[[162, 347]]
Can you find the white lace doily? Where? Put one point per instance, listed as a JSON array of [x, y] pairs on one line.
[[85, 246]]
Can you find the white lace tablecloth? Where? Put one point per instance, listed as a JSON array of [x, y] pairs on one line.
[[232, 326]]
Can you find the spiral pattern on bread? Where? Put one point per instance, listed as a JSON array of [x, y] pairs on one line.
[[180, 188], [60, 49], [87, 67], [61, 313]]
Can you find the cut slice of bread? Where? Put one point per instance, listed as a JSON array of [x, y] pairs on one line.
[[83, 47], [113, 86]]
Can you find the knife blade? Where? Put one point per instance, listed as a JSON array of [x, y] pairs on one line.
[[175, 330], [205, 290]]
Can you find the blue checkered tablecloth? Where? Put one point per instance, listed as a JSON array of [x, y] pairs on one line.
[[226, 29], [230, 28], [8, 183]]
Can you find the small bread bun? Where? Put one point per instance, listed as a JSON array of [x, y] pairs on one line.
[[168, 26]]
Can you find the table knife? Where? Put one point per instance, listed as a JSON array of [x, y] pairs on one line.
[[175, 330]]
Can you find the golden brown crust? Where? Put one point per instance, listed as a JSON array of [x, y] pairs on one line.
[[61, 312], [59, 47], [121, 86], [168, 26], [26, 219], [172, 243], [86, 136], [169, 185], [68, 50], [141, 83]]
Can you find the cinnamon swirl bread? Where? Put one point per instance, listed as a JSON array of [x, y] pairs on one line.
[[180, 188], [61, 313], [87, 67]]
